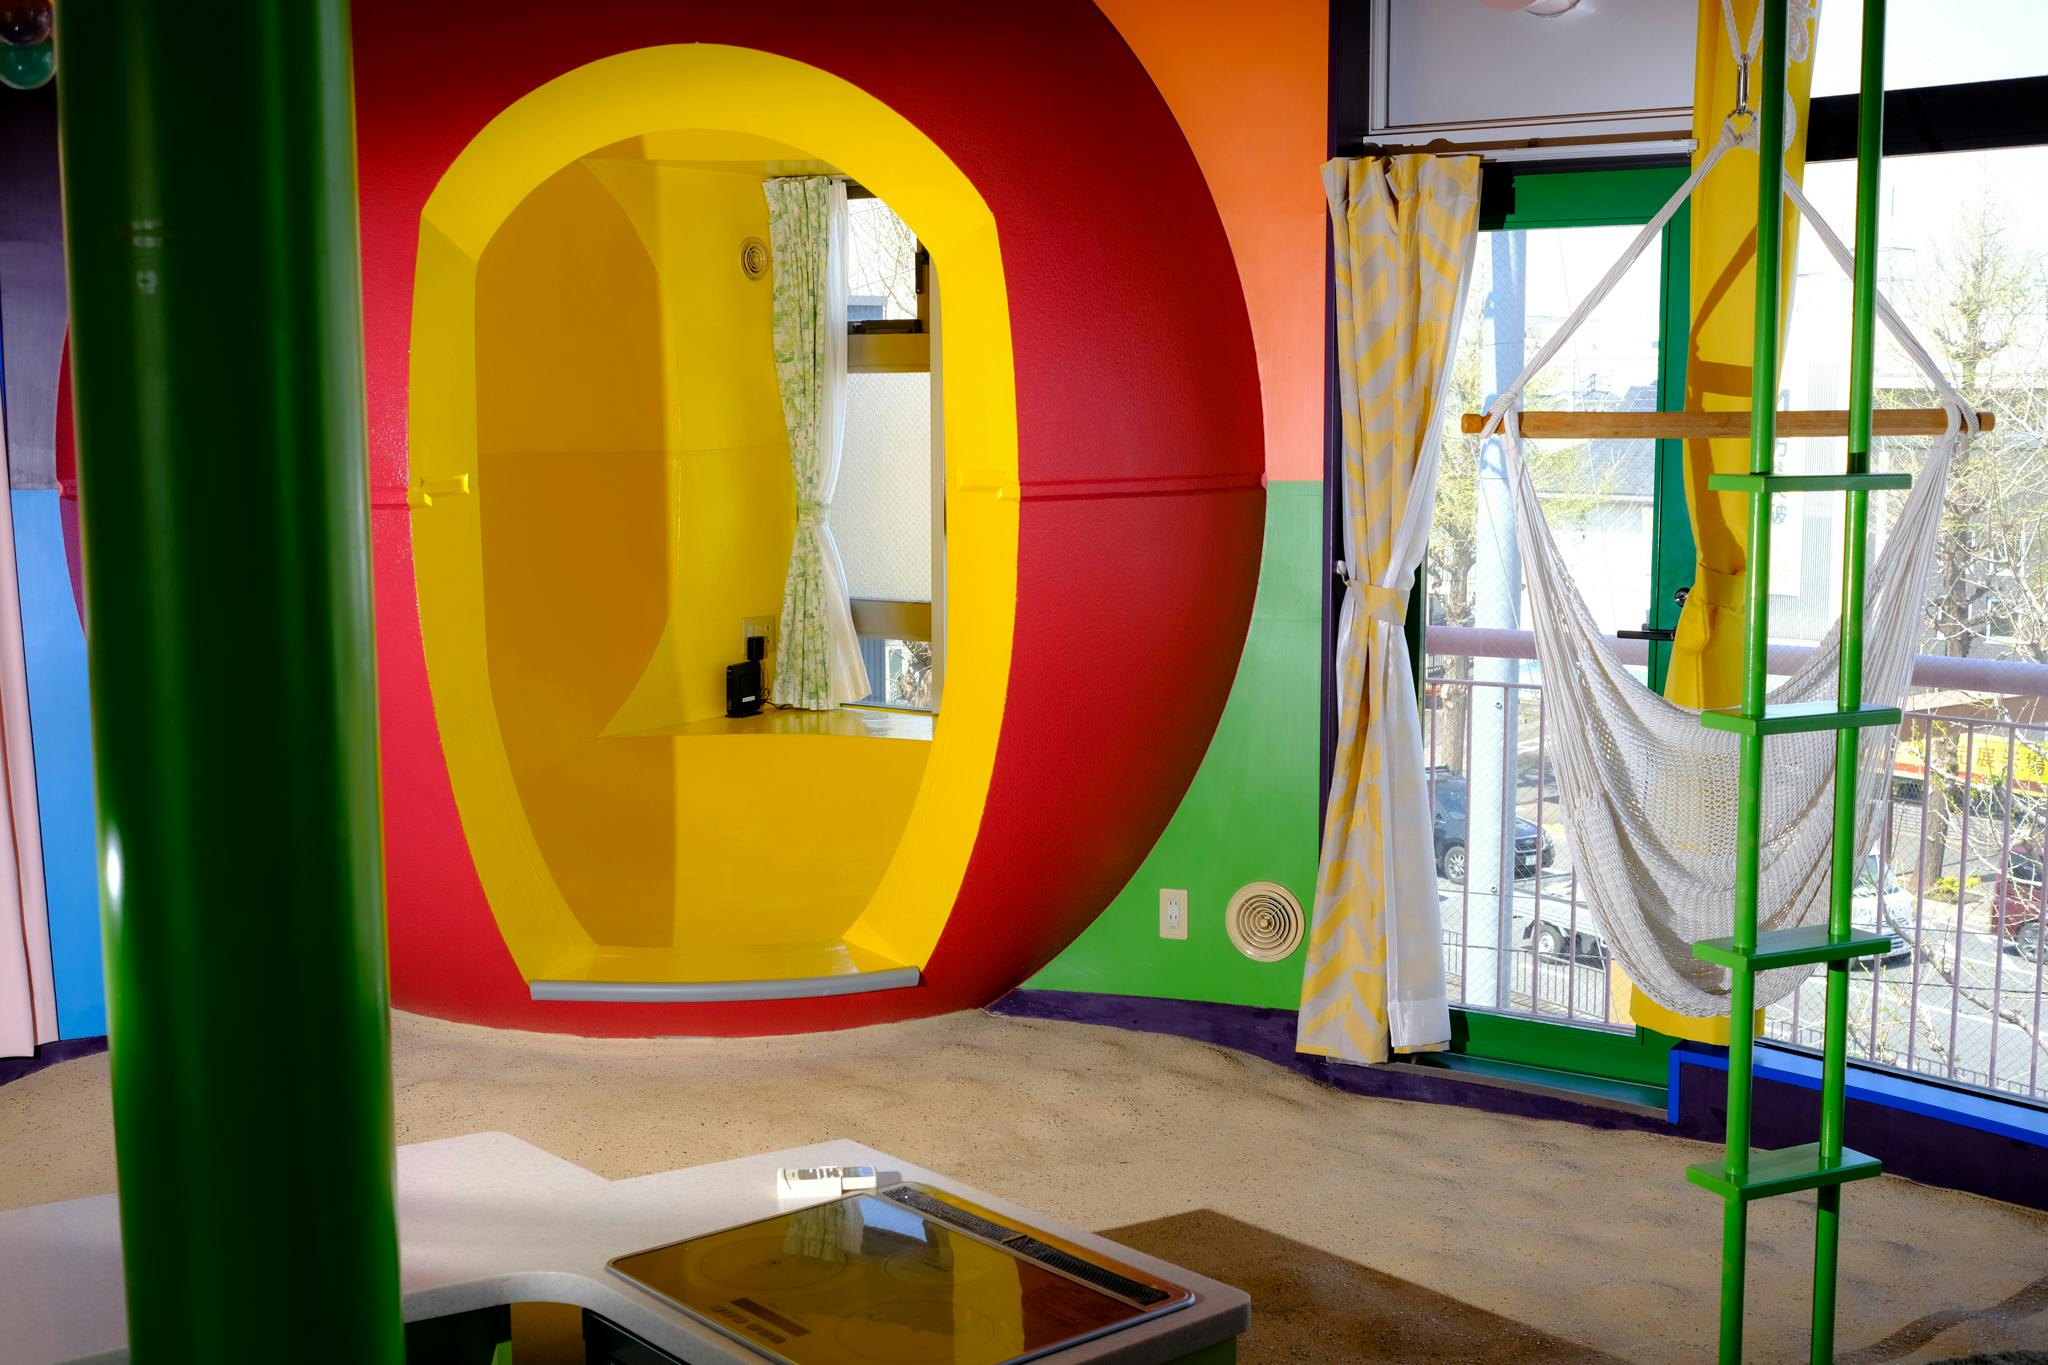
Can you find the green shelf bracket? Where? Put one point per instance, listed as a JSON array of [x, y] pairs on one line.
[[1784, 1171], [1800, 718], [1807, 483], [1792, 948]]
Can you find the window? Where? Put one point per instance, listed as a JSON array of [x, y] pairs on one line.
[[1601, 496], [1958, 870], [883, 266], [1964, 237], [1964, 240], [1932, 42], [1519, 934], [1955, 875], [883, 514]]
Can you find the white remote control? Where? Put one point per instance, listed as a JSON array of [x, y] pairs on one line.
[[823, 1182]]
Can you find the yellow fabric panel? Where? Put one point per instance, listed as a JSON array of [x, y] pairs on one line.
[[593, 551], [1706, 664], [1405, 227], [1706, 653]]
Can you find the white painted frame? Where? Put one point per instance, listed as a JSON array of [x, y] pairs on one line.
[[1535, 133]]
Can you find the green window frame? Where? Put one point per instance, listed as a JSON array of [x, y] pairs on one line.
[[1598, 1063]]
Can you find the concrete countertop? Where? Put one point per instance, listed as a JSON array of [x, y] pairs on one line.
[[489, 1219]]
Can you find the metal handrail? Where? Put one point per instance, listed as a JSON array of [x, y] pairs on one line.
[[2007, 677]]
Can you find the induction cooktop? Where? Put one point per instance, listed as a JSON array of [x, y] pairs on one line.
[[899, 1275]]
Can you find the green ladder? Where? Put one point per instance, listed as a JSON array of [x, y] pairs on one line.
[[1823, 1166]]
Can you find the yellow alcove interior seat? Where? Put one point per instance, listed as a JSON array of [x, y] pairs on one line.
[[632, 504]]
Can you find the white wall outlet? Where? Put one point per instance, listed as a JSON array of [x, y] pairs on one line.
[[1173, 914], [763, 626]]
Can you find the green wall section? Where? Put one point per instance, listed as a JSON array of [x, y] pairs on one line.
[[1250, 814]]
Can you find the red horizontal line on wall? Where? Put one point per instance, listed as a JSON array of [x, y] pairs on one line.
[[2010, 677], [1052, 490], [1156, 485]]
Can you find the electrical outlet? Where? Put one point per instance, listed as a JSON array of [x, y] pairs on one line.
[[1173, 914], [763, 626]]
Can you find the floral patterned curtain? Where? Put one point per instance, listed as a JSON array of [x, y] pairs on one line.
[[817, 653]]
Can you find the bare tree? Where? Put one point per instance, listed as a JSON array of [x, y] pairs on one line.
[[1980, 301], [1573, 489], [881, 254]]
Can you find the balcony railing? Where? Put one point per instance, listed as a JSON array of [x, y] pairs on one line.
[[1956, 877]]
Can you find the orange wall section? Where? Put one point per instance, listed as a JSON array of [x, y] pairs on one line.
[[1249, 86]]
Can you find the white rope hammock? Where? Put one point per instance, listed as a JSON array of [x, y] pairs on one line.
[[1650, 793]]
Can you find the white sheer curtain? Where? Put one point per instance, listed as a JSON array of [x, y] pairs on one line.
[[817, 653]]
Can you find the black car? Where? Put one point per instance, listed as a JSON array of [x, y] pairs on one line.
[[1448, 808]]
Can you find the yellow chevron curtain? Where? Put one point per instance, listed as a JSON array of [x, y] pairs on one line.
[[1404, 229]]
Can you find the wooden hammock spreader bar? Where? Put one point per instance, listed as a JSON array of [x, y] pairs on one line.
[[1687, 426]]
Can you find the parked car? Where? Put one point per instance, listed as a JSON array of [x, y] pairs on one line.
[[1557, 925], [2018, 901], [1549, 928], [1876, 908], [1450, 818], [1556, 922]]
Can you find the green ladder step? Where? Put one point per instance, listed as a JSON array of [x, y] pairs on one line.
[[1785, 1171], [1806, 483], [1800, 717], [1792, 948]]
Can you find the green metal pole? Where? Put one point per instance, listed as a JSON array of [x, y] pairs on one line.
[[209, 185], [1763, 430], [1849, 687]]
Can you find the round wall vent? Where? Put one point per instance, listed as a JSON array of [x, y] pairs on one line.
[[1265, 921], [754, 258]]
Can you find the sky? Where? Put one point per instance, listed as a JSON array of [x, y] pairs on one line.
[[1933, 42]]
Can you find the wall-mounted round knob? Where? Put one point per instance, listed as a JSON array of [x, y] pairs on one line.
[[754, 258]]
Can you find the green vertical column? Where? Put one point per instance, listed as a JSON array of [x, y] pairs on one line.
[[209, 181], [1673, 555], [1849, 682], [1763, 434]]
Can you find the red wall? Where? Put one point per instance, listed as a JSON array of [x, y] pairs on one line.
[[1134, 363]]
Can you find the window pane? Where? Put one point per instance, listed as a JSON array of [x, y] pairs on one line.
[[1597, 495], [1932, 42], [1956, 871], [881, 269], [882, 512], [899, 672], [1963, 240], [1519, 934]]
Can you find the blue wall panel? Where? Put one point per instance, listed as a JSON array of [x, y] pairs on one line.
[[60, 712]]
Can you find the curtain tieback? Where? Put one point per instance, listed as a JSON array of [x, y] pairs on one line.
[[1382, 604], [811, 511]]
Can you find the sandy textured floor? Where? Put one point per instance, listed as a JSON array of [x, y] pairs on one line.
[[1570, 1242]]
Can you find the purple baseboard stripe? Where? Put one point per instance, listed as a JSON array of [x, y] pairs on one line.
[[1268, 1034], [49, 1054], [1896, 1119]]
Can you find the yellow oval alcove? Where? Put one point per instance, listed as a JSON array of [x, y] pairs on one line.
[[602, 493]]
